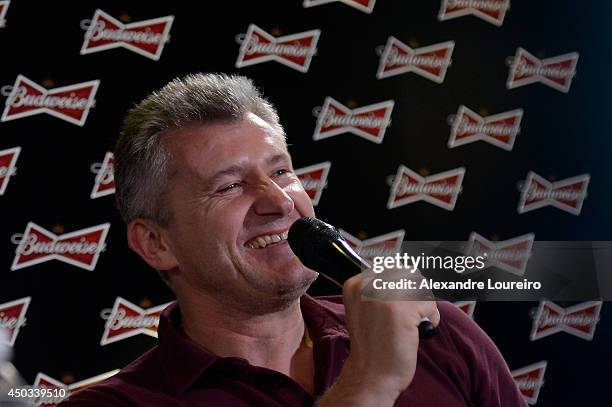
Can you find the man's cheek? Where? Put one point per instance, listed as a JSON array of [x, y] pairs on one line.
[[301, 200], [304, 206]]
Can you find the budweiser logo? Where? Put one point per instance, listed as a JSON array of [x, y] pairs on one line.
[[369, 122], [12, 318], [430, 62], [126, 320], [579, 320], [499, 129], [510, 255], [367, 6], [70, 103], [466, 306], [491, 11], [81, 248], [314, 179], [440, 189], [8, 162], [388, 244], [146, 38], [567, 195], [105, 179], [556, 72], [529, 380], [44, 381], [3, 9], [295, 51]]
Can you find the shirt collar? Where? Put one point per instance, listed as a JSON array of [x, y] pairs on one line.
[[184, 361], [324, 317]]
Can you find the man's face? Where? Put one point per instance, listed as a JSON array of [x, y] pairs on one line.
[[233, 197]]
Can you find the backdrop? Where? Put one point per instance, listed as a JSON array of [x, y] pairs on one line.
[[488, 96]]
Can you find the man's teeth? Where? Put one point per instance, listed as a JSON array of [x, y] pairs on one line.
[[263, 241]]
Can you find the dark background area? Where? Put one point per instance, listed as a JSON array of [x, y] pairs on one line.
[[562, 135]]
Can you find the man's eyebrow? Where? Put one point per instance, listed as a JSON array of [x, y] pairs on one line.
[[236, 169], [230, 171], [278, 158]]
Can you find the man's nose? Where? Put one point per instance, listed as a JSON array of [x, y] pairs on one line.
[[272, 199]]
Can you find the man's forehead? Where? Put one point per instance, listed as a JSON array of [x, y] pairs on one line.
[[206, 148]]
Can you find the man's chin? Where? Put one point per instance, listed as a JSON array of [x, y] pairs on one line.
[[296, 281], [300, 286], [282, 294], [282, 267]]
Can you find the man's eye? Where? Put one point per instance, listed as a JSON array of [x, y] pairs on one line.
[[282, 172], [230, 187]]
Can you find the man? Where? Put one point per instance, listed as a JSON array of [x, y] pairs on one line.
[[207, 188]]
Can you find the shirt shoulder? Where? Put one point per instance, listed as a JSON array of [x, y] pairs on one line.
[[137, 384], [459, 331], [471, 358], [96, 396]]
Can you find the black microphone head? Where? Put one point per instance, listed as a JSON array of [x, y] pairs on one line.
[[308, 236], [320, 247]]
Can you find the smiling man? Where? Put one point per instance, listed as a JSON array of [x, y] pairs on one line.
[[206, 185]]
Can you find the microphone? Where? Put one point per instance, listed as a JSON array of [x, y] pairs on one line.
[[320, 247]]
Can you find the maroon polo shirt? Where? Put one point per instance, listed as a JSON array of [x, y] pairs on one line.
[[459, 367]]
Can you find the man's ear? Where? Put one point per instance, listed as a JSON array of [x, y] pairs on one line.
[[146, 239]]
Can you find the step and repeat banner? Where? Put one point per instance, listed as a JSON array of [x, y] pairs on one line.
[[477, 121]]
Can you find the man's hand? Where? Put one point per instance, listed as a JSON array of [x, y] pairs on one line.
[[384, 343]]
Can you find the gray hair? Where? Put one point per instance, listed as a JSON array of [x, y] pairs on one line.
[[142, 165]]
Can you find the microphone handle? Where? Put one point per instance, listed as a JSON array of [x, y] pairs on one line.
[[351, 260]]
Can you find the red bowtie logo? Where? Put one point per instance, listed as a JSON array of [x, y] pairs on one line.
[[369, 122], [3, 9], [126, 320], [295, 51], [314, 179], [146, 38], [12, 318], [388, 244], [499, 129], [81, 248], [529, 380], [105, 179], [466, 306], [8, 162], [579, 320], [70, 103], [430, 62], [491, 11], [367, 6], [440, 189], [567, 195], [44, 381], [556, 72], [510, 255]]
